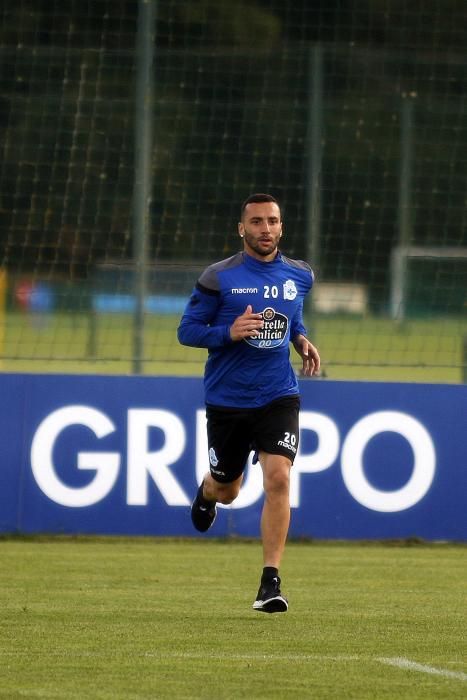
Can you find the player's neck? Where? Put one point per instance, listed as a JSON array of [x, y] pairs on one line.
[[262, 258]]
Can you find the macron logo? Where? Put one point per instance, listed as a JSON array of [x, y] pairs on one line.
[[244, 290], [287, 446]]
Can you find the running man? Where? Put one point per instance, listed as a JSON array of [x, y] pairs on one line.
[[245, 310]]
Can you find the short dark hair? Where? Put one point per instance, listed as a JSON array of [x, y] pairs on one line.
[[257, 199]]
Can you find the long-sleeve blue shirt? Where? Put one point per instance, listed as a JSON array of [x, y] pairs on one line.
[[252, 372]]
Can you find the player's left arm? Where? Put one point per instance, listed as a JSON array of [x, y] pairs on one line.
[[307, 351]]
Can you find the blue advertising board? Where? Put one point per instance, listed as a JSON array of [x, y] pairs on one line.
[[123, 455]]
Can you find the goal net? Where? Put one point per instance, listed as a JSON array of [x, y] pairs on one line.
[[353, 117], [434, 285]]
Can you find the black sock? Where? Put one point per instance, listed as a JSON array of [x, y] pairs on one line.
[[269, 572], [204, 501]]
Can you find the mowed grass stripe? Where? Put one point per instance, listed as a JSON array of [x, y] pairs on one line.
[[370, 348], [147, 618]]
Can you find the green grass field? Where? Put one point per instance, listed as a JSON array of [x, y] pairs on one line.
[[145, 618], [430, 350]]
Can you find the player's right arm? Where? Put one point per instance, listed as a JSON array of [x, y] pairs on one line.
[[246, 325], [197, 328]]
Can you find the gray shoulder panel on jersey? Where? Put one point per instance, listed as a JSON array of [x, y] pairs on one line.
[[209, 278], [300, 265]]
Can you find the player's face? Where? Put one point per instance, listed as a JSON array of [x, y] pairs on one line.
[[261, 229]]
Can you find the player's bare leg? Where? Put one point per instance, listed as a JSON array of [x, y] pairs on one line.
[[210, 492], [221, 493], [275, 518], [275, 522]]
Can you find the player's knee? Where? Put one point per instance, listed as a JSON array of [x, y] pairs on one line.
[[226, 494], [278, 481], [227, 499]]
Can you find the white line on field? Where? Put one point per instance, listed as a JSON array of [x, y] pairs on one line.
[[398, 662], [408, 665]]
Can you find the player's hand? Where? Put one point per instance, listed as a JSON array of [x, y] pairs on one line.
[[247, 325], [309, 354]]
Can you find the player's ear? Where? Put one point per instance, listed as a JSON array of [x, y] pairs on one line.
[[241, 230]]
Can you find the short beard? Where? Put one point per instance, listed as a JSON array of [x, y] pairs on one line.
[[261, 251]]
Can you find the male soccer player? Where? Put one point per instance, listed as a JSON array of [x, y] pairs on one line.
[[245, 310]]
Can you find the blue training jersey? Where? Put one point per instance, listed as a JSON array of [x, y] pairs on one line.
[[252, 372]]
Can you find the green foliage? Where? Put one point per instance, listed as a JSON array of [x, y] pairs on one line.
[[231, 24], [232, 115]]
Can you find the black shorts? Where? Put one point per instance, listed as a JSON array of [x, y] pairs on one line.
[[234, 433]]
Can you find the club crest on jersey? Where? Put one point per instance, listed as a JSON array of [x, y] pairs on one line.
[[273, 332], [290, 290]]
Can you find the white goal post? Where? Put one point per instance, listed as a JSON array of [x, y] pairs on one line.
[[399, 257]]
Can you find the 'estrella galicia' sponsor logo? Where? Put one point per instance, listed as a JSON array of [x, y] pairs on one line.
[[290, 290], [273, 332], [213, 457], [244, 290]]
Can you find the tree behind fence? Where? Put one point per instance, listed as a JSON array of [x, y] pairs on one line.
[[235, 90]]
